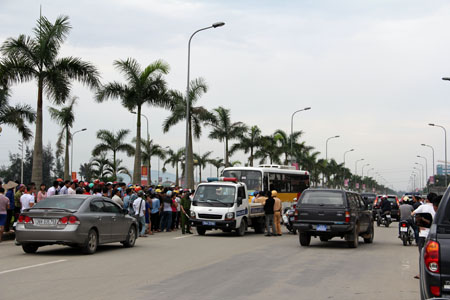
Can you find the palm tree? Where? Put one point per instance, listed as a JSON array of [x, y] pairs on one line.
[[65, 117], [36, 58], [284, 140], [14, 116], [143, 87], [248, 142], [174, 158], [86, 171], [218, 163], [225, 130], [113, 142], [202, 160], [116, 168], [198, 115], [101, 164], [150, 149], [268, 150]]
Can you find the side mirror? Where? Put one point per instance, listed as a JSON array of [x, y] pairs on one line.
[[239, 201]]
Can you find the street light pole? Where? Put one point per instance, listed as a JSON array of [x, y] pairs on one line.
[[362, 170], [432, 150], [356, 165], [343, 175], [189, 170], [420, 172], [71, 161], [292, 129], [426, 169], [326, 146], [445, 140], [148, 135]]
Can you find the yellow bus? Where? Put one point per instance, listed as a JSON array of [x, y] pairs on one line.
[[288, 182]]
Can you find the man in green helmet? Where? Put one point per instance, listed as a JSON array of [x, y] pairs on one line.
[[185, 213]]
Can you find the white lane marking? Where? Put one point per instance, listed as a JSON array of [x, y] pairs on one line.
[[182, 237], [33, 266]]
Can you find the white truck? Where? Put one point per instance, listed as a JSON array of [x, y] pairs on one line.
[[222, 203]]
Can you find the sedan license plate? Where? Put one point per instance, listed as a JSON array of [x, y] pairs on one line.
[[45, 222], [321, 227], [209, 223], [388, 216], [404, 229]]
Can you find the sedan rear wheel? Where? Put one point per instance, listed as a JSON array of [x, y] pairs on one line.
[[91, 243], [30, 248], [131, 237]]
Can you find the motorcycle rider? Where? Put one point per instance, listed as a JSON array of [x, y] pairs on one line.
[[385, 207], [405, 210]]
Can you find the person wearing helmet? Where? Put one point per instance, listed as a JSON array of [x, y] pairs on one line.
[[277, 207]]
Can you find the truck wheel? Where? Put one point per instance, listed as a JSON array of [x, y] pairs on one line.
[[242, 228], [369, 239], [30, 248], [353, 241], [201, 230], [259, 227], [305, 239]]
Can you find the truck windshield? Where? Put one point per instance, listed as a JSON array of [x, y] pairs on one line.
[[253, 179], [215, 195]]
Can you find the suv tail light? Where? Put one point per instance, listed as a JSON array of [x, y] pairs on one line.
[[431, 256], [347, 217], [296, 215]]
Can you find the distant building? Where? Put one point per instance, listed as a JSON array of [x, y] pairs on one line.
[[440, 170]]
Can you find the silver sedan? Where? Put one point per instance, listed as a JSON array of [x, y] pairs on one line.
[[76, 220]]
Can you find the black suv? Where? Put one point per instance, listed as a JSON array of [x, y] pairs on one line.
[[328, 213], [435, 256]]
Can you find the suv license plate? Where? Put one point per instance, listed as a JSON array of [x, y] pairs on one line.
[[321, 227], [209, 223], [403, 229]]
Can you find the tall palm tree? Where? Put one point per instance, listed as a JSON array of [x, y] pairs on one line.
[[202, 161], [65, 117], [100, 166], [174, 158], [144, 86], [218, 163], [151, 149], [113, 142], [36, 58], [248, 142], [198, 115], [116, 168], [87, 171], [224, 130], [268, 150], [284, 140]]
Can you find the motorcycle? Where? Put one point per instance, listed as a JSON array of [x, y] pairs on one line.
[[406, 233], [384, 218], [288, 218]]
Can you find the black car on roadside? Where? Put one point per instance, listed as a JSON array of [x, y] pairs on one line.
[[329, 213], [435, 255]]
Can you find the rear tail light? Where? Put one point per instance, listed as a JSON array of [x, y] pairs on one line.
[[431, 256], [403, 224], [69, 220], [63, 220], [21, 219], [28, 220], [73, 220], [347, 217], [296, 215]]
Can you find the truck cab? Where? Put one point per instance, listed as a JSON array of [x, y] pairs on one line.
[[221, 203]]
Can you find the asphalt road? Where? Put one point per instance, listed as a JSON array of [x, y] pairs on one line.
[[215, 266]]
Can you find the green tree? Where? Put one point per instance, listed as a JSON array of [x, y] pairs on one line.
[[100, 165], [151, 149], [202, 161], [113, 142], [218, 163], [249, 141], [174, 158], [143, 87], [225, 130], [65, 117], [268, 150], [198, 115], [36, 58], [87, 172]]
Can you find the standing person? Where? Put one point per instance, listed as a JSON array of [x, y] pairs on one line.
[[277, 207], [10, 195], [65, 188], [42, 194], [148, 209], [54, 189], [166, 221], [27, 199], [127, 200], [154, 214], [178, 214], [262, 198], [174, 211], [268, 210], [17, 204], [4, 206], [116, 198], [185, 206], [416, 202], [72, 188], [139, 210]]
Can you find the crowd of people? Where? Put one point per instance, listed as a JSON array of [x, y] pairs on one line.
[[156, 208]]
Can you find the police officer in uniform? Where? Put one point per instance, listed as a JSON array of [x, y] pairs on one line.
[[185, 213]]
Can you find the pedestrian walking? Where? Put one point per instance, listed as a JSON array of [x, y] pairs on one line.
[[185, 206], [4, 206], [139, 209], [42, 194], [268, 210], [277, 207]]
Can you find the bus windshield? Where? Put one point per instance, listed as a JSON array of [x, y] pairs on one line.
[[251, 178]]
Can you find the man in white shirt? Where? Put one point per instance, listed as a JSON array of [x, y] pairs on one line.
[[426, 208], [139, 208], [53, 190], [116, 197], [64, 189], [27, 199], [72, 189]]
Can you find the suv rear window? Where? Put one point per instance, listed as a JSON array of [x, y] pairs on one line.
[[322, 197]]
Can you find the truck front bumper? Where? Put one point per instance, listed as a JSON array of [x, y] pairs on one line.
[[213, 224]]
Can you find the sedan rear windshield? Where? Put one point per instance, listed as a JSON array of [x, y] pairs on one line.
[[59, 202], [322, 197]]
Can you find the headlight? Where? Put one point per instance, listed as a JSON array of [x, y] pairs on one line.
[[192, 214], [229, 216]]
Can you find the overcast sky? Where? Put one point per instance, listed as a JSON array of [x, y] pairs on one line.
[[370, 70]]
